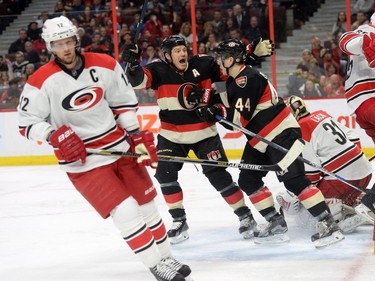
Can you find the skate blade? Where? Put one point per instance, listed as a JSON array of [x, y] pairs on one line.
[[336, 236], [183, 236], [273, 239], [350, 224]]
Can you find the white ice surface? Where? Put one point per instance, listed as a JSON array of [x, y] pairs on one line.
[[48, 232]]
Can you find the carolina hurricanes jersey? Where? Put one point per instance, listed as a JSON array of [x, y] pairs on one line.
[[333, 146], [179, 122], [360, 80], [90, 102], [257, 106]]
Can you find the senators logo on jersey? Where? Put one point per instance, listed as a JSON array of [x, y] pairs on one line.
[[83, 99], [182, 93]]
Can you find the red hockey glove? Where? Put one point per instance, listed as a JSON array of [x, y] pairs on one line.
[[143, 143], [199, 95], [70, 145], [368, 47], [208, 114]]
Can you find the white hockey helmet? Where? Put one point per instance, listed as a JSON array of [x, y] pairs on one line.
[[297, 107], [58, 28], [372, 19]]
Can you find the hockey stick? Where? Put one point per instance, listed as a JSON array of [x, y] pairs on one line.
[[282, 149], [138, 31], [282, 165]]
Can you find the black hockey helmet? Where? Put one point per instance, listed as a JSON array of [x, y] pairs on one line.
[[233, 48], [170, 42]]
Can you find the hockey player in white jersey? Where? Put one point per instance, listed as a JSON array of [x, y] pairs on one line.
[[359, 45], [79, 101], [337, 149]]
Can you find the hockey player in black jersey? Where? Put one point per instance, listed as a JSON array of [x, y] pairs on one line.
[[252, 102], [178, 82]]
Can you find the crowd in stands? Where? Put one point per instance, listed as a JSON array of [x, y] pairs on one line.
[[323, 65], [322, 68]]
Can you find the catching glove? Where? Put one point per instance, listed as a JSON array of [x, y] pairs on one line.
[[260, 48], [208, 113], [199, 95], [143, 143], [368, 47], [70, 145], [132, 55]]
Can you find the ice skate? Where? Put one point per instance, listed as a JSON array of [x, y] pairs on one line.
[[181, 268], [247, 226], [274, 232], [328, 233], [178, 232], [162, 272], [363, 211]]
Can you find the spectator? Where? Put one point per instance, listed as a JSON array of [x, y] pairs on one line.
[[186, 33], [309, 63], [33, 32], [218, 22], [19, 65], [229, 25], [43, 17], [208, 28], [253, 31], [97, 7], [165, 31], [30, 54], [316, 47], [364, 6], [211, 44], [240, 17], [361, 19], [202, 49], [12, 95], [334, 88], [4, 79], [136, 24], [84, 39], [3, 65], [59, 9], [29, 70], [39, 44], [106, 14], [235, 34], [339, 25], [153, 25], [85, 18], [76, 9], [96, 46], [43, 58], [151, 55], [19, 44], [311, 90], [327, 59]]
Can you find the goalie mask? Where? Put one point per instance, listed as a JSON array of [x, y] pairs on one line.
[[297, 107], [58, 28]]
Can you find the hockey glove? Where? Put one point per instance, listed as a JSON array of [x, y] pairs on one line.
[[199, 95], [368, 47], [70, 146], [208, 114], [143, 143], [260, 48], [132, 55]]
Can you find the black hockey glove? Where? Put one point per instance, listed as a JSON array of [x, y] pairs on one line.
[[132, 55], [208, 114], [199, 95]]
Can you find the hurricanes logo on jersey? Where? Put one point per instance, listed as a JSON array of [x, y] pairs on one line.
[[83, 99], [182, 93], [241, 81]]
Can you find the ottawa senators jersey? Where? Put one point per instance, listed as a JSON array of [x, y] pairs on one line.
[[89, 101], [179, 122], [333, 146], [360, 78], [257, 106]]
